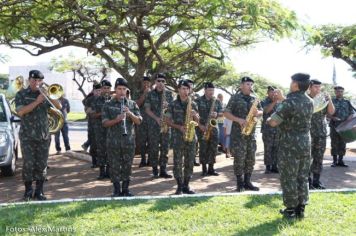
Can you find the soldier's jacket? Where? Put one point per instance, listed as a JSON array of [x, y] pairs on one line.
[[115, 136], [176, 112], [135, 96], [204, 106], [318, 124], [239, 105], [89, 102], [265, 127], [154, 102], [343, 110], [97, 106], [34, 125], [294, 115]]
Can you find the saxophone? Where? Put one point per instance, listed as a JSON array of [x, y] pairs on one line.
[[251, 119], [189, 124], [211, 123], [164, 126]]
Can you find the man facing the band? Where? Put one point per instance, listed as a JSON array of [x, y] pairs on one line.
[[343, 110], [32, 107], [293, 116], [100, 131], [119, 116], [155, 105], [142, 130], [269, 134], [209, 108], [318, 135], [243, 147], [183, 151]]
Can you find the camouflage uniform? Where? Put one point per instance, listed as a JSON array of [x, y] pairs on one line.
[[34, 136], [89, 102], [294, 115], [120, 148], [343, 110], [207, 149], [181, 149], [158, 142], [269, 136], [100, 132], [243, 148]]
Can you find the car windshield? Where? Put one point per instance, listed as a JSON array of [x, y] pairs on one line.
[[2, 111]]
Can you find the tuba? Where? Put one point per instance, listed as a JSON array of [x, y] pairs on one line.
[[211, 123], [320, 101], [189, 124], [251, 119], [55, 116]]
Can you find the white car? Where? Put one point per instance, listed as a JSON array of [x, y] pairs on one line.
[[9, 139]]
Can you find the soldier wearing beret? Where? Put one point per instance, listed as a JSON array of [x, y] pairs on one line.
[[119, 116], [142, 130], [243, 147], [293, 117], [208, 108], [32, 107], [318, 135], [100, 131], [343, 111], [183, 151]]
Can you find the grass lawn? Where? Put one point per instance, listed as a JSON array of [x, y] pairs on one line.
[[327, 214], [76, 116]]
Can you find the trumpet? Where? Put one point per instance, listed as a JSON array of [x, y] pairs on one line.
[[124, 120]]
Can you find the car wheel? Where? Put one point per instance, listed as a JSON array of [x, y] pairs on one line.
[[10, 170]]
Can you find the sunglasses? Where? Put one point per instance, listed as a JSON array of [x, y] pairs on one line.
[[161, 81]]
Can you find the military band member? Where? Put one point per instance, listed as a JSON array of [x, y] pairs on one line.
[[343, 110], [243, 147], [142, 130], [119, 116], [318, 135], [183, 151], [209, 108], [34, 134], [100, 131], [156, 104], [269, 134], [293, 116]]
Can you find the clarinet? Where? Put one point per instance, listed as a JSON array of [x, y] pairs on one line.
[[124, 120]]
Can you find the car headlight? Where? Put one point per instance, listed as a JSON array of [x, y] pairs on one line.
[[3, 138]]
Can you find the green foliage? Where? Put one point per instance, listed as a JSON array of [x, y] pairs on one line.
[[76, 116], [327, 214]]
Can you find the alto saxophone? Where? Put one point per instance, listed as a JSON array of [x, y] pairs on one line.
[[211, 123], [164, 125], [251, 119], [189, 123]]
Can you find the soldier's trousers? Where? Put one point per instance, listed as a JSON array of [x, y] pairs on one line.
[[183, 157], [100, 140], [35, 156], [92, 141], [338, 146], [318, 145], [270, 142], [243, 149], [208, 149], [143, 137], [158, 147], [120, 161], [294, 171]]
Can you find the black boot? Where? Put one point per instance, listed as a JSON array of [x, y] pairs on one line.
[[143, 161], [101, 173], [28, 191], [125, 189], [316, 182], [248, 184], [107, 171], [163, 173], [211, 170], [186, 188], [148, 162], [340, 162], [274, 169], [39, 191], [268, 169], [117, 190], [240, 187], [310, 183], [155, 172], [289, 213], [204, 170], [299, 211], [196, 163], [334, 164], [93, 162], [179, 186]]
